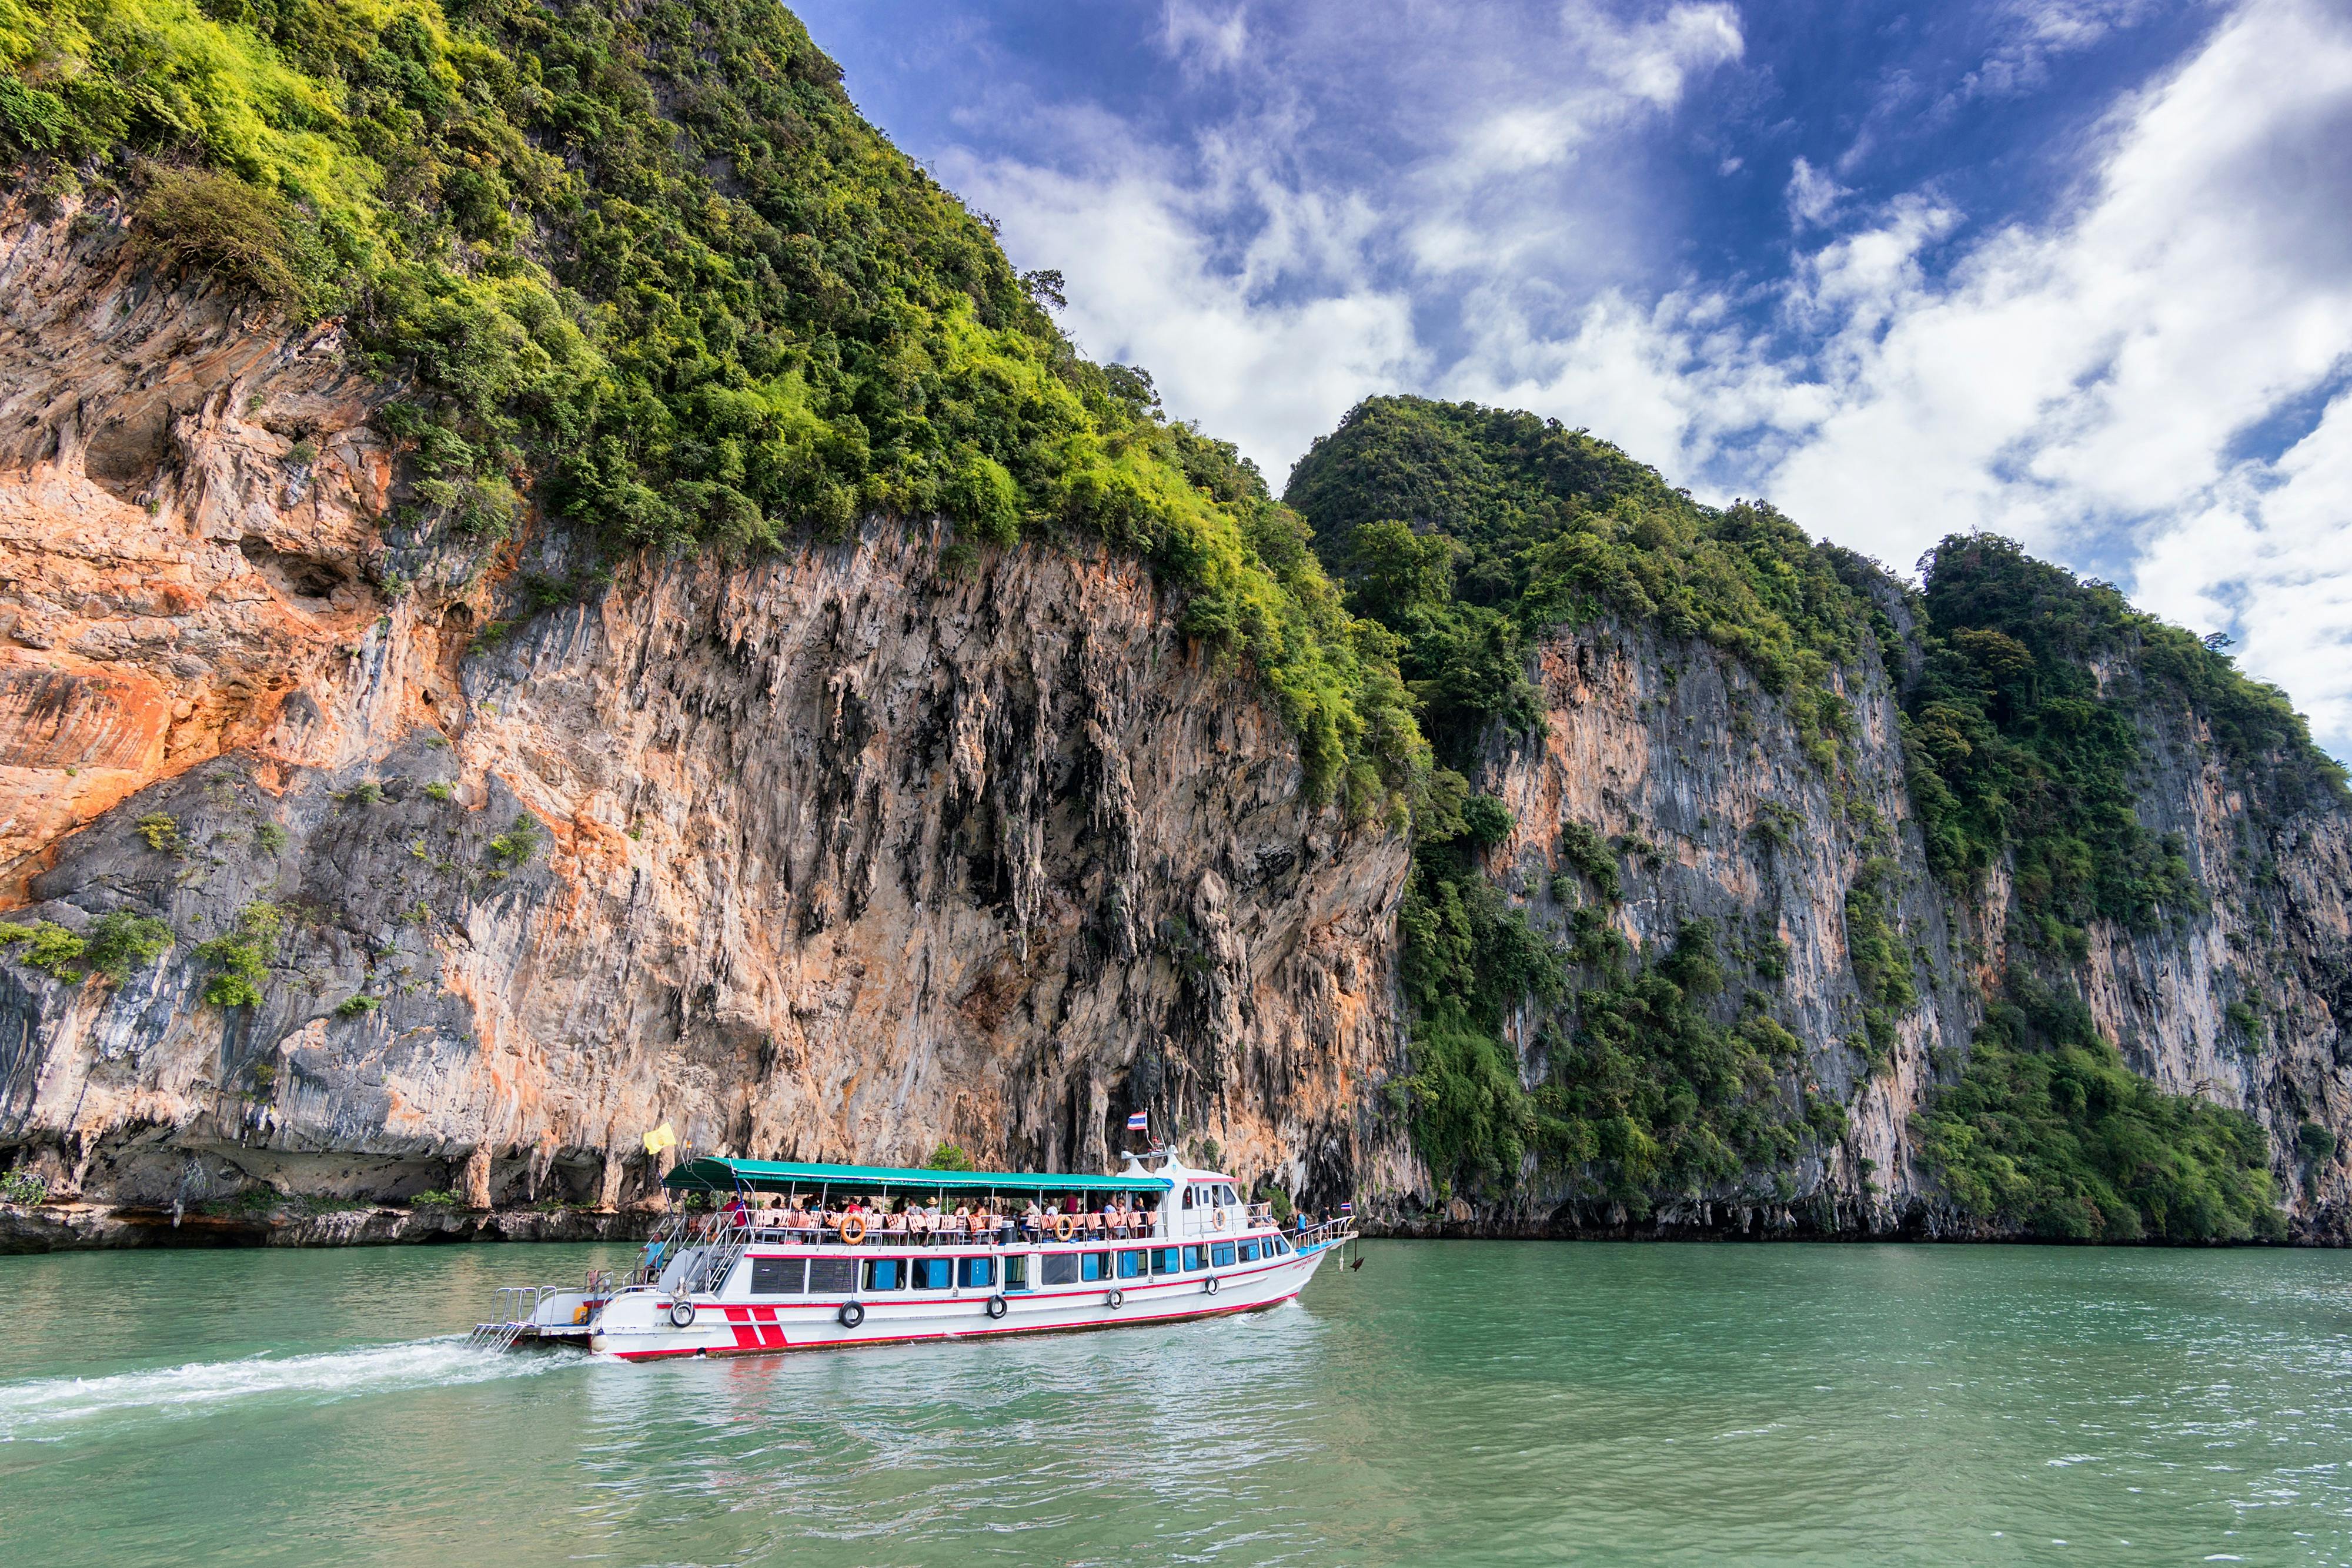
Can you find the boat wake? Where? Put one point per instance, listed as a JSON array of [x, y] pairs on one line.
[[54, 1406]]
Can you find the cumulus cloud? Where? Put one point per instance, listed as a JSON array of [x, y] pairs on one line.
[[2097, 385], [2137, 380], [2078, 383], [1267, 294]]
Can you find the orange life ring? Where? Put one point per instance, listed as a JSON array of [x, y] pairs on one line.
[[853, 1229], [1063, 1225], [1218, 1223]]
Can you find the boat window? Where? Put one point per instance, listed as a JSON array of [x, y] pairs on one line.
[[1221, 1254], [1131, 1265], [1016, 1273], [1195, 1258], [1187, 1198], [1277, 1243], [886, 1274], [1164, 1260], [832, 1276], [1249, 1251], [933, 1273], [779, 1276], [1094, 1266], [1061, 1269], [974, 1272]]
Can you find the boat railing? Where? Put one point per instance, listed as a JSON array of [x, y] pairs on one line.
[[720, 1230], [518, 1313], [1327, 1233]]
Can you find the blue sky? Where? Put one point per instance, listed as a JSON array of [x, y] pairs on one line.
[[2076, 270]]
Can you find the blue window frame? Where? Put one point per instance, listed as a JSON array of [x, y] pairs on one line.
[[1195, 1258], [885, 1274], [1249, 1251], [973, 1273], [932, 1273], [1131, 1265], [1166, 1260], [1221, 1254], [1016, 1273]]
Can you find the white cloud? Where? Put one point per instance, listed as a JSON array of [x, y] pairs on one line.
[[2086, 381], [2271, 554], [1202, 40], [2063, 382], [1146, 286], [1811, 195], [2031, 34], [1265, 301]]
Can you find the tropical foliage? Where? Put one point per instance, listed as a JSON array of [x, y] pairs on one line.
[[2051, 1133], [1470, 533], [2026, 735], [648, 270]]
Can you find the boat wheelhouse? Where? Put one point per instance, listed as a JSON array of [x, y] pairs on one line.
[[757, 1256]]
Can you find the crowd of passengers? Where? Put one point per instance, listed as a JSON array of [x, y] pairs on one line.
[[915, 1221]]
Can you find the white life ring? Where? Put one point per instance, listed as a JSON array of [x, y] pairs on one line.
[[1116, 1299], [681, 1313]]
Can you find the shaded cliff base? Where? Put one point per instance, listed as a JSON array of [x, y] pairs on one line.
[[2326, 1225], [89, 1227], [86, 1227]]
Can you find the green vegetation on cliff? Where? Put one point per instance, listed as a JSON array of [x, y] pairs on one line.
[[1471, 533], [2050, 1133], [648, 267], [2027, 733], [2026, 739]]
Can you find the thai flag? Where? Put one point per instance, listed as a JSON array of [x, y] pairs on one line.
[[1346, 1208], [1138, 1122]]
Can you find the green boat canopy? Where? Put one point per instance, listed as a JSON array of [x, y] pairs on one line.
[[713, 1174]]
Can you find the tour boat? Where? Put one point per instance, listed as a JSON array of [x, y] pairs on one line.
[[744, 1265]]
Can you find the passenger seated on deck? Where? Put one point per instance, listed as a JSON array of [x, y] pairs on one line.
[[1033, 1218], [1096, 1224], [896, 1221]]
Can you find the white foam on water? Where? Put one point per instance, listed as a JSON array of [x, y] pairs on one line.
[[51, 1406]]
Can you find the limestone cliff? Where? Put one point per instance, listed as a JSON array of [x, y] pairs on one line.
[[857, 847], [839, 853], [1669, 747]]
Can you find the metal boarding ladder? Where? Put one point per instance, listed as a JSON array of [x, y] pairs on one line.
[[518, 1313], [710, 1271]]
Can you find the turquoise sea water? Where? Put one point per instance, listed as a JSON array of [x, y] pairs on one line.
[[1450, 1403]]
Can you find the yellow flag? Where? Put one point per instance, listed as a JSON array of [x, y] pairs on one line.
[[660, 1138]]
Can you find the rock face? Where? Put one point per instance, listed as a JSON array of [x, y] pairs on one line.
[[838, 855], [848, 853], [1671, 745]]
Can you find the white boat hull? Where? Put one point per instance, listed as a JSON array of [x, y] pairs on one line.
[[636, 1324]]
